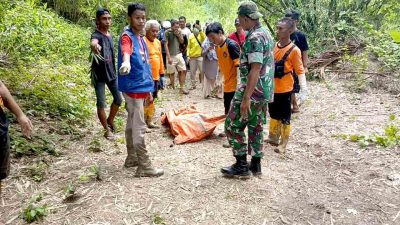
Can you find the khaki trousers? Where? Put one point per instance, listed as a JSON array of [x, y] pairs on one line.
[[135, 131]]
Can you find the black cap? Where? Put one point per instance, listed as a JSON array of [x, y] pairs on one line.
[[102, 11], [293, 14], [237, 21]]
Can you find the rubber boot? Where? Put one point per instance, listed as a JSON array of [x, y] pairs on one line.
[[131, 159], [149, 115], [255, 166], [238, 170], [274, 132], [113, 112], [285, 133], [146, 113], [145, 169]]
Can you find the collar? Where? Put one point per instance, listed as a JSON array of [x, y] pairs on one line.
[[257, 26], [223, 43], [281, 47]]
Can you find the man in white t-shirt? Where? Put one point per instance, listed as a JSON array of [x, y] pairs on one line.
[[186, 33], [182, 24]]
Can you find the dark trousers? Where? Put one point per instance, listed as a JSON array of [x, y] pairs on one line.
[[228, 96], [280, 109], [156, 88], [296, 85], [4, 156], [164, 57]]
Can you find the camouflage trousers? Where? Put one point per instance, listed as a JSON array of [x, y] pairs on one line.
[[235, 127]]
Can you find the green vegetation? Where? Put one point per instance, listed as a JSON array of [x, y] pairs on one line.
[[329, 23], [95, 145], [157, 219], [32, 212], [40, 144], [92, 173], [38, 170], [45, 45], [390, 138], [44, 48], [48, 55], [69, 193]]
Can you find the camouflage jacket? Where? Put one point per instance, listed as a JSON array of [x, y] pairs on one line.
[[258, 48]]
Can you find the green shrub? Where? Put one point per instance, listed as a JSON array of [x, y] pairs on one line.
[[32, 212], [93, 172], [390, 138], [49, 58]]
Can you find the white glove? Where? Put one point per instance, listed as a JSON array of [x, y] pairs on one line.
[[303, 89], [125, 68]]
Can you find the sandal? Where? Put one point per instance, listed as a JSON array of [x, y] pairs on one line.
[[111, 126]]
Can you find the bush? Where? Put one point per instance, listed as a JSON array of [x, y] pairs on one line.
[[49, 57]]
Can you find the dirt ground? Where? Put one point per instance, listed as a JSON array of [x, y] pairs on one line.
[[323, 179]]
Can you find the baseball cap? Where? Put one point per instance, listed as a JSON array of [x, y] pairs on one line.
[[102, 11], [293, 14], [249, 9]]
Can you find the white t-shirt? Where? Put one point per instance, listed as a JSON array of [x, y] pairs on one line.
[[186, 32]]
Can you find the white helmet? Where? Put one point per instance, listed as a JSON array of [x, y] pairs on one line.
[[166, 24]]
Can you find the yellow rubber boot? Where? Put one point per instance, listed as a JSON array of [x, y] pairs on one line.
[[150, 114], [274, 132], [285, 133], [147, 112]]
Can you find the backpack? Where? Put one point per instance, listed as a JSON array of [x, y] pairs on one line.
[[280, 65]]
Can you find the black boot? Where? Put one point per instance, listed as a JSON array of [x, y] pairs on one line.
[[255, 166], [238, 170]]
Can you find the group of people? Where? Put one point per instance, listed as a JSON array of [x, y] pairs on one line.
[[259, 78]]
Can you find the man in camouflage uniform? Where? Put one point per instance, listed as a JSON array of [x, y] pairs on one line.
[[249, 105]]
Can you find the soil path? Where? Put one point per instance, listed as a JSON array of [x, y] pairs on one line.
[[322, 180]]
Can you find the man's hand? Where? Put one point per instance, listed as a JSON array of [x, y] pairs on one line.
[[245, 109], [149, 99], [178, 32], [125, 68], [169, 61], [96, 49], [305, 70], [26, 125], [94, 45]]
